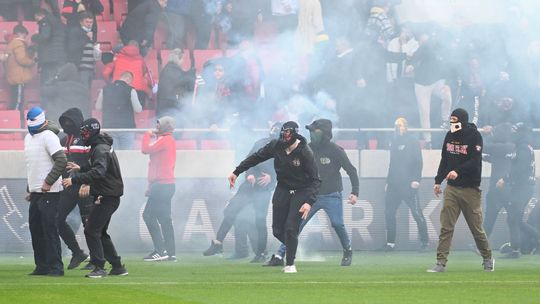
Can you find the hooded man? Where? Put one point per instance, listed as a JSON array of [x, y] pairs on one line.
[[297, 185], [520, 181], [402, 183], [75, 150], [45, 161], [161, 147], [330, 158], [104, 179], [255, 191], [461, 166]]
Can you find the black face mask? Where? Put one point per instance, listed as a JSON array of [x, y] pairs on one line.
[[316, 138]]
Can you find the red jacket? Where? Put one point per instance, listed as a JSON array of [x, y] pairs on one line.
[[162, 158], [129, 59]]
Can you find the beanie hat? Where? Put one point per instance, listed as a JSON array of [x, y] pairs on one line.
[[166, 124], [35, 119]]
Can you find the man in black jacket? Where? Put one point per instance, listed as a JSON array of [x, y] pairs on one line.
[[297, 185], [402, 182], [104, 180], [141, 22], [50, 41], [71, 121], [520, 180], [461, 166], [80, 48], [330, 158], [255, 191]]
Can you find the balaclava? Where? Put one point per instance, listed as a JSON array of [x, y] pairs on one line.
[[325, 135], [35, 120], [288, 138], [461, 123], [90, 128]]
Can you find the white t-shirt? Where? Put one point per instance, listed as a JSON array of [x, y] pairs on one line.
[[38, 151]]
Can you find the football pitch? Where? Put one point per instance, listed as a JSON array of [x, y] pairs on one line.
[[397, 277]]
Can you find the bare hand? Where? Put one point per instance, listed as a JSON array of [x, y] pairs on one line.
[[72, 167], [251, 179], [232, 180], [305, 210], [353, 199], [67, 182], [500, 183], [84, 191], [28, 196], [452, 175], [45, 187], [264, 180], [437, 190], [415, 184]]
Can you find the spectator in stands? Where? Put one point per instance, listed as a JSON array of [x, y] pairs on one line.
[[175, 87], [81, 49], [71, 10], [285, 13], [50, 41], [310, 22], [119, 102], [177, 15], [66, 91], [379, 25], [140, 23], [130, 59], [429, 80], [19, 63], [222, 24], [201, 14]]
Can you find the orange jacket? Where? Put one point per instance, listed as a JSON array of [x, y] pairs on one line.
[[19, 62], [129, 59]]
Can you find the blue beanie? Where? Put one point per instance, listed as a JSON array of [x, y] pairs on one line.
[[35, 119]]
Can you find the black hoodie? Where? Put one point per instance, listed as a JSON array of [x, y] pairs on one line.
[[462, 152], [499, 151], [330, 158], [74, 147], [103, 170], [522, 171], [294, 171], [405, 162]]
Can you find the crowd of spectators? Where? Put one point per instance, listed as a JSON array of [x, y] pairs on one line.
[[349, 60]]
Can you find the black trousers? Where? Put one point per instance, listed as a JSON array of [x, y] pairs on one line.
[[286, 218], [44, 233], [530, 231], [246, 195], [99, 242], [69, 198], [157, 216], [519, 198], [394, 197], [496, 199]]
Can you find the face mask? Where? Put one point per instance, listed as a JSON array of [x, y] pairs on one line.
[[87, 29], [316, 137], [455, 126]]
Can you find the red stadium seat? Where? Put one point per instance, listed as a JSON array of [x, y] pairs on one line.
[[119, 9], [5, 94], [186, 144], [10, 119], [32, 28], [106, 15], [160, 36], [6, 28], [13, 144], [107, 32], [215, 144]]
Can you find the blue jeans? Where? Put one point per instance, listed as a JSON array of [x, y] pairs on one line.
[[331, 203]]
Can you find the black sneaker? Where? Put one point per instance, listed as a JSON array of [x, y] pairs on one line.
[[214, 248], [97, 273], [259, 258], [156, 256], [88, 266], [119, 271], [77, 259], [347, 258], [38, 272], [274, 261]]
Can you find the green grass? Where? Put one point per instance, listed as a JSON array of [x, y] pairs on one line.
[[373, 278]]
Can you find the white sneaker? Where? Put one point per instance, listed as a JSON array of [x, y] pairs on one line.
[[290, 269]]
